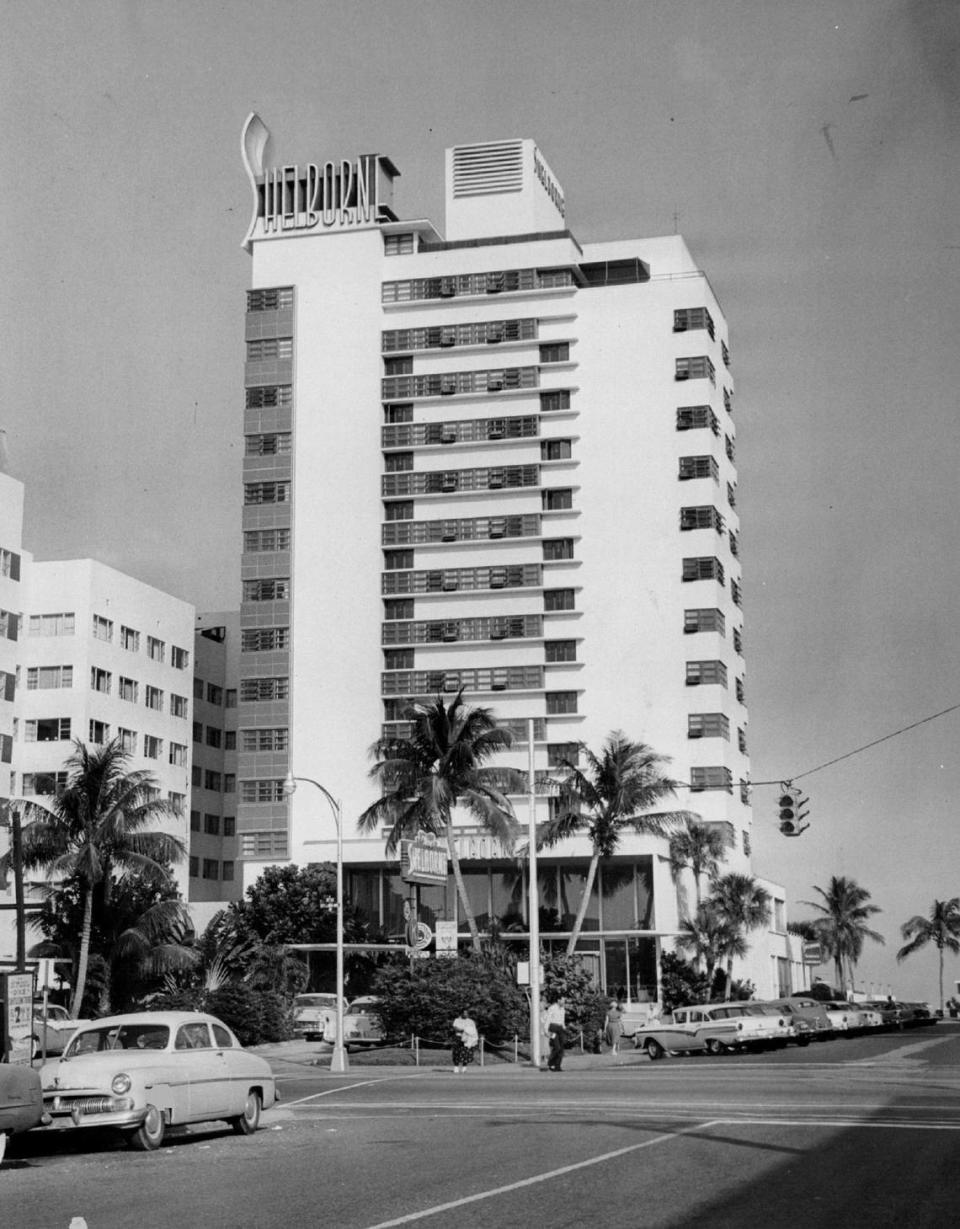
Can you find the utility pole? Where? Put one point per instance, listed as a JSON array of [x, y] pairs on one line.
[[16, 848]]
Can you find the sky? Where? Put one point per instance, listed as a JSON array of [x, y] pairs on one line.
[[808, 153]]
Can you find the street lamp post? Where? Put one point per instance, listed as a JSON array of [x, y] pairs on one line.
[[338, 1061]]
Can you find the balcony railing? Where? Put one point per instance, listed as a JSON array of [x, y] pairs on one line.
[[449, 631], [475, 529], [466, 431], [453, 383], [497, 282], [516, 727], [463, 580], [434, 682], [440, 482], [483, 332]]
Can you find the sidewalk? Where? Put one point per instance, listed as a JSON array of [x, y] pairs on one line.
[[378, 1062]]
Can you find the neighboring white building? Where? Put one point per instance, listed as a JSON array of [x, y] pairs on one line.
[[497, 459]]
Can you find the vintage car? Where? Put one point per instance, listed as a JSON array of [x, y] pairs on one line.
[[361, 1024], [148, 1070], [803, 1007], [712, 1027], [311, 1013], [52, 1029], [850, 1018], [21, 1102]]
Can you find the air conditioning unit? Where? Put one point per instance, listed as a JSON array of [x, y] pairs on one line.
[[694, 733], [498, 633], [683, 375], [498, 582], [448, 434], [451, 682], [449, 482], [495, 480], [448, 339], [449, 584], [494, 384], [447, 387]]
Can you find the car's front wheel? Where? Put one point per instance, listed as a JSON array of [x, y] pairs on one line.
[[149, 1134], [654, 1049], [715, 1046], [249, 1120]]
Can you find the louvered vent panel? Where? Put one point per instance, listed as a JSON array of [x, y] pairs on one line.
[[482, 169]]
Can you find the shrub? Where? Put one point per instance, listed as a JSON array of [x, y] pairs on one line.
[[681, 982], [586, 1007]]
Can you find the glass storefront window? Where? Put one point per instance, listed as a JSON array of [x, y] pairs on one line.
[[507, 898], [477, 884], [618, 899], [572, 881]]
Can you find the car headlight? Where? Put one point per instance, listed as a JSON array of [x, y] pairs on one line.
[[121, 1083]]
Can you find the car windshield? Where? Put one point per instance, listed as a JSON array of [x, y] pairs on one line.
[[315, 1000], [138, 1036], [360, 1009]]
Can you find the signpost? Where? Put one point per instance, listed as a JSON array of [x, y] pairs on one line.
[[16, 996], [812, 952]]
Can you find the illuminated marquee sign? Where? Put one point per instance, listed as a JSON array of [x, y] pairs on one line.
[[550, 185], [326, 196], [423, 861]]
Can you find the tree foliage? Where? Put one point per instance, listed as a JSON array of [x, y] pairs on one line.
[[941, 928], [681, 983], [842, 924]]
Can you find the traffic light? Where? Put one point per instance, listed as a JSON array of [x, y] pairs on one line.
[[790, 807]]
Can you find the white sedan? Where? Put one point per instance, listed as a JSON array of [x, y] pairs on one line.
[[361, 1022], [148, 1070], [312, 1013]]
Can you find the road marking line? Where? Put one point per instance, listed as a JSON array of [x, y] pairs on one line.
[[386, 1079], [537, 1178]]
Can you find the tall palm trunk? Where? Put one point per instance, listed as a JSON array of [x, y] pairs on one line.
[[462, 888], [940, 950], [584, 902], [84, 955]]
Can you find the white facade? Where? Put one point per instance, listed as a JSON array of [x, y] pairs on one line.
[[503, 461]]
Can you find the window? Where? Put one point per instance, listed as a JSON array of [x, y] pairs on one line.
[[179, 658], [706, 672], [51, 625], [693, 417], [708, 725], [731, 495], [211, 868], [276, 396], [214, 694], [555, 352], [10, 564], [211, 825], [725, 353], [740, 691], [734, 544], [555, 400], [127, 689], [400, 510], [267, 348], [729, 448], [266, 492], [558, 599], [398, 245], [711, 778], [197, 688], [9, 624], [128, 740], [555, 450], [100, 679], [258, 541], [560, 650], [178, 705], [198, 731], [261, 791], [176, 801], [397, 560], [401, 659], [227, 877], [398, 608], [557, 548], [738, 640], [229, 783], [398, 413], [129, 639], [44, 782], [559, 702], [705, 567], [229, 825], [268, 444], [153, 698], [402, 365], [264, 639], [699, 467], [728, 400], [736, 592], [704, 620], [742, 740], [102, 628], [230, 740], [178, 755], [703, 517], [252, 690], [8, 686], [194, 821], [47, 730], [230, 698], [693, 318], [275, 299], [264, 739], [45, 678], [152, 747], [194, 866], [276, 589], [699, 368], [557, 500], [99, 732], [214, 736], [745, 795], [212, 780], [196, 776], [560, 753], [155, 649]]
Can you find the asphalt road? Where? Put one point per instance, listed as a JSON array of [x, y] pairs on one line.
[[849, 1133]]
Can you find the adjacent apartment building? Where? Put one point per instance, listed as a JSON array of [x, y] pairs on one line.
[[493, 458]]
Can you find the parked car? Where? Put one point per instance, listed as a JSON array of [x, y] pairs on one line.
[[712, 1027], [146, 1071], [21, 1101], [842, 1019], [802, 1006], [863, 1018], [361, 1023], [917, 1015], [311, 1014], [890, 1012], [52, 1030]]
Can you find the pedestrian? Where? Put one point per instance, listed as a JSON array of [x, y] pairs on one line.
[[466, 1040], [556, 1021], [613, 1026]]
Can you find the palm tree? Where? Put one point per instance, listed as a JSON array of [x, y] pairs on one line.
[[842, 926], [444, 764], [744, 906], [614, 792], [700, 848], [941, 928], [99, 822], [706, 936]]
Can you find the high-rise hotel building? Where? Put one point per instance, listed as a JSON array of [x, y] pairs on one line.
[[494, 458]]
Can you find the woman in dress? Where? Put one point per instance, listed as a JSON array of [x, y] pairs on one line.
[[466, 1040], [613, 1026]]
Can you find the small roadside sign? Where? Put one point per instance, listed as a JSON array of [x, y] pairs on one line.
[[812, 953]]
